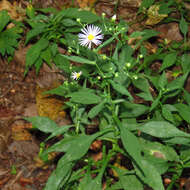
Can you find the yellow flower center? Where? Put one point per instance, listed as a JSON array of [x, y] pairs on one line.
[[90, 37], [77, 75]]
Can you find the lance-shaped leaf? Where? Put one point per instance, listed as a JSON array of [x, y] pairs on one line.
[[43, 124], [4, 19], [79, 59], [162, 129], [84, 96]]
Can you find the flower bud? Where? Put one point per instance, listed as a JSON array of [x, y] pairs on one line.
[[103, 15], [78, 20], [113, 18], [116, 75], [135, 77], [128, 64]]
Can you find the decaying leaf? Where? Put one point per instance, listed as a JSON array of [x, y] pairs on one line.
[[20, 132], [41, 164], [117, 164], [14, 11], [48, 106], [153, 15], [86, 3], [96, 145]]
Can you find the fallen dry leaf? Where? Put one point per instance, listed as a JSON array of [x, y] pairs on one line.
[[170, 31], [48, 106], [5, 112], [20, 132], [12, 10], [153, 15], [24, 149], [167, 181], [97, 156], [86, 3], [96, 145]]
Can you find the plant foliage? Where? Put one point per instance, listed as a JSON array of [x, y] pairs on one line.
[[8, 36], [145, 134]]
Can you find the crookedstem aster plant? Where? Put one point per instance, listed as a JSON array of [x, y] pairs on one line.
[[90, 34]]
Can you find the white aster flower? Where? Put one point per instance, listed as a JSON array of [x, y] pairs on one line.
[[90, 34], [75, 75]]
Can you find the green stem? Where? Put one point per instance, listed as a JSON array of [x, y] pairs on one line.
[[101, 73]]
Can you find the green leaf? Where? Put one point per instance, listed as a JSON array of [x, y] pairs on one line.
[[121, 89], [183, 25], [85, 180], [185, 62], [59, 131], [74, 146], [107, 42], [177, 140], [187, 97], [131, 145], [167, 114], [160, 151], [38, 65], [177, 84], [54, 49], [62, 63], [142, 84], [87, 16], [146, 96], [116, 51], [79, 59], [43, 124], [34, 52], [131, 110], [164, 8], [84, 96], [4, 19], [9, 41], [155, 102], [46, 56], [168, 61], [145, 4], [62, 171], [48, 10], [162, 129], [136, 34], [96, 110], [34, 32], [162, 82], [185, 155], [184, 111], [125, 55], [94, 184], [63, 145], [127, 181], [83, 15], [147, 33], [69, 22], [158, 155], [152, 177], [60, 91], [130, 182]]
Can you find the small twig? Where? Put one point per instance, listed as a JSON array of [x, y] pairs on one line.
[[16, 178]]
